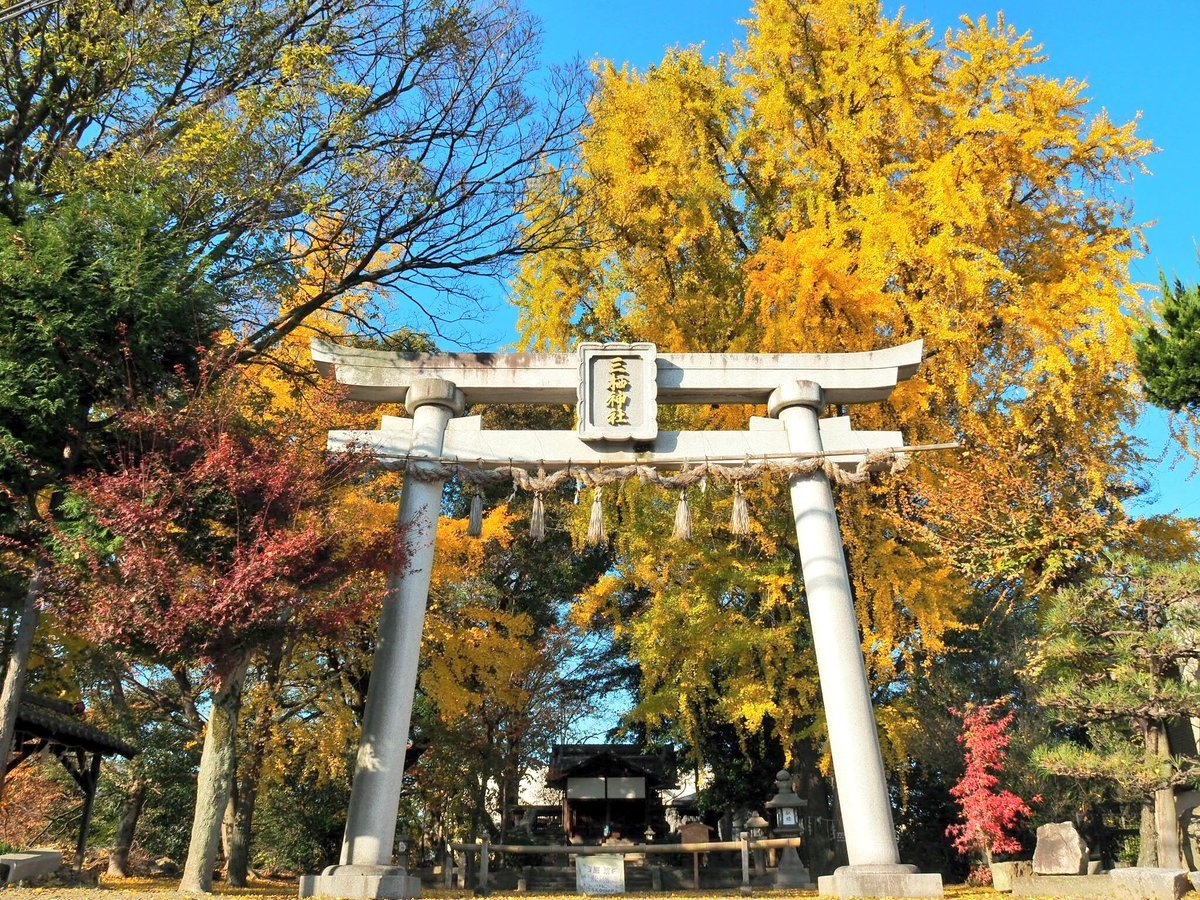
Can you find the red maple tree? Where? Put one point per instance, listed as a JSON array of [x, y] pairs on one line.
[[213, 535], [216, 536], [991, 817]]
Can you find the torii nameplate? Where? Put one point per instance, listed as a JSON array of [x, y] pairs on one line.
[[618, 392]]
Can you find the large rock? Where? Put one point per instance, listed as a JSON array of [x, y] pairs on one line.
[[1060, 851]]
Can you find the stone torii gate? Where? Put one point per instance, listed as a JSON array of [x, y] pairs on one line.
[[616, 389]]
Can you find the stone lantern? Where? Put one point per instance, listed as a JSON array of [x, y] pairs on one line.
[[757, 827], [789, 822]]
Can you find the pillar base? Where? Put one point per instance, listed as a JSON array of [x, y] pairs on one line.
[[790, 872], [879, 881], [362, 883]]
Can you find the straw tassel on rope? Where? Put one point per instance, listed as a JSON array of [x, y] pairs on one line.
[[739, 520], [683, 518], [537, 518], [475, 522], [596, 534]]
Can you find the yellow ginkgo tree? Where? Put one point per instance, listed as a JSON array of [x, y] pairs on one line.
[[843, 181]]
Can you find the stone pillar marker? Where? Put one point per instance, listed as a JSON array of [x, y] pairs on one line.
[[367, 868], [875, 869]]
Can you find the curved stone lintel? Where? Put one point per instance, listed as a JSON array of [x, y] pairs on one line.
[[382, 376]]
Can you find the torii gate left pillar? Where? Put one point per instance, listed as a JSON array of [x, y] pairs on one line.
[[367, 867]]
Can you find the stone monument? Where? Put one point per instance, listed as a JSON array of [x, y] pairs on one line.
[[616, 389], [1060, 850]]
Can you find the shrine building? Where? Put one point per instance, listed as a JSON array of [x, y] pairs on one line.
[[611, 790]]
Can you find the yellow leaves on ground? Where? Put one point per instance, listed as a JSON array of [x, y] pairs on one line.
[[139, 888]]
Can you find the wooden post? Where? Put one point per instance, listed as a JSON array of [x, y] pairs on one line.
[[481, 889], [745, 863], [696, 871], [91, 778]]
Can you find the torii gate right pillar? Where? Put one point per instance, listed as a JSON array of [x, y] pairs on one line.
[[875, 869]]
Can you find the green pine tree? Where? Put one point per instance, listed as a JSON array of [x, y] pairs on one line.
[[1116, 663], [1169, 359]]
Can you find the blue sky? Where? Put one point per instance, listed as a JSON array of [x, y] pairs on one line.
[[1135, 57]]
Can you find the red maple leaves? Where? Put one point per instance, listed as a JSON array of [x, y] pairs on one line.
[[215, 535], [991, 817]]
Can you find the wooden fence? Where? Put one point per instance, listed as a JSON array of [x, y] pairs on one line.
[[459, 856]]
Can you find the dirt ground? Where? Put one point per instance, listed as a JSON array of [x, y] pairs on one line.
[[164, 888]]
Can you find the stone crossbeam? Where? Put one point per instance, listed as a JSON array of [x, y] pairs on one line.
[[467, 443], [381, 376]]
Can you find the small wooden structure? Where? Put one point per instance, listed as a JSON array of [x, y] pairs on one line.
[[56, 727], [610, 790]]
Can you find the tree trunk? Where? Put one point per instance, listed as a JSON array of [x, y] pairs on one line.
[[1159, 831], [1147, 837], [815, 788], [217, 770], [118, 859], [261, 731], [18, 663], [1166, 815], [1166, 823], [227, 820], [238, 853]]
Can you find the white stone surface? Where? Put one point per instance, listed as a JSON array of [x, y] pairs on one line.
[[880, 881], [1147, 884], [384, 376], [1151, 882], [853, 738], [379, 767], [352, 883], [28, 865], [1003, 873], [467, 443]]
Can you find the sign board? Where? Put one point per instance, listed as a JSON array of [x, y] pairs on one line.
[[618, 392], [585, 788], [600, 874], [626, 788]]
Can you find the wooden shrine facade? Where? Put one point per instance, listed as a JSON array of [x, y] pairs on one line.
[[611, 790]]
